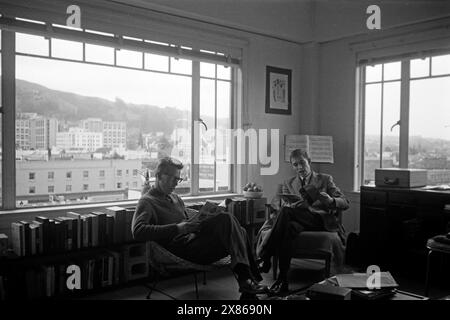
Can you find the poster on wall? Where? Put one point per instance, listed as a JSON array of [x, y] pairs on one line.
[[278, 90]]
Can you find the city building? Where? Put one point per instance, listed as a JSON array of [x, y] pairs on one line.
[[41, 182], [114, 134], [35, 131], [79, 139]]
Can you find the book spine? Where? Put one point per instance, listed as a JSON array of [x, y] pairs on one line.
[[16, 238], [46, 232], [27, 238], [95, 227]]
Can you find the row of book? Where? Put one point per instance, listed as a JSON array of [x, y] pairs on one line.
[[73, 231], [97, 271], [248, 210]]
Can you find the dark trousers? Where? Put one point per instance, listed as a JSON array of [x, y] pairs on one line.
[[289, 224], [218, 237]]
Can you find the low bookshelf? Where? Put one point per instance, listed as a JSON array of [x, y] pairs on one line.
[[78, 254], [72, 255]]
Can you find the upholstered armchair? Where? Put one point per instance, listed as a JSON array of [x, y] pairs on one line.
[[320, 245]]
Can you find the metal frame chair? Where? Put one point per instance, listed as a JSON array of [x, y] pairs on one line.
[[163, 263], [434, 246]]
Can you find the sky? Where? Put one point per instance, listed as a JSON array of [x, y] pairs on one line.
[[429, 100], [132, 86]]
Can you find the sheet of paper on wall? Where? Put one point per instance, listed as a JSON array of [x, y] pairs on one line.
[[294, 141], [320, 148]]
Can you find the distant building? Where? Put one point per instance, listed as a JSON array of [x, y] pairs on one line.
[[434, 163], [34, 131], [79, 139], [92, 124], [43, 181], [115, 134], [438, 176]]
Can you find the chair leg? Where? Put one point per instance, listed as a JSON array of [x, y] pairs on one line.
[[274, 266], [153, 287], [427, 276], [196, 286], [327, 267]]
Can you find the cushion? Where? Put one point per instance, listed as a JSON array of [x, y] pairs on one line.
[[165, 262], [320, 242], [441, 243]]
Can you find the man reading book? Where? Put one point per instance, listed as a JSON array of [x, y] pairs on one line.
[[306, 202], [204, 238]]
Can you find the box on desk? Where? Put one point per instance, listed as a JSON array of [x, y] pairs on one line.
[[399, 177]]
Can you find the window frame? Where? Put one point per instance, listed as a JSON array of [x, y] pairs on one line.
[[405, 81], [197, 56]]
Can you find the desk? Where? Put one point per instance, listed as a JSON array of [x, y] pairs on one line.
[[396, 223]]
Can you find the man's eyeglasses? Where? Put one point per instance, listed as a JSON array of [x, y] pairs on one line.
[[174, 177]]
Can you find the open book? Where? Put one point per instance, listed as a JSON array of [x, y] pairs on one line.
[[290, 197], [209, 209], [309, 193]]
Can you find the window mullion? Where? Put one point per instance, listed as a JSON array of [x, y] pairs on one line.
[[8, 119], [195, 116], [382, 116], [215, 133], [404, 114], [362, 124]]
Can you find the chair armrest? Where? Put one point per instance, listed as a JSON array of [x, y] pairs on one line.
[[271, 212]]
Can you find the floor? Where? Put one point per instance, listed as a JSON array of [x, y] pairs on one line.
[[221, 285]]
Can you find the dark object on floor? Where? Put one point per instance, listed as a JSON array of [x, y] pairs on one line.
[[435, 244], [327, 292]]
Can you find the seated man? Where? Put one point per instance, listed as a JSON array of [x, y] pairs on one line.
[[161, 216], [307, 202]]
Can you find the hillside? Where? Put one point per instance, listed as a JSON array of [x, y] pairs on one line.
[[66, 106]]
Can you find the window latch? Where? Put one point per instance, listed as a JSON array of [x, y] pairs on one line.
[[202, 122], [396, 124]]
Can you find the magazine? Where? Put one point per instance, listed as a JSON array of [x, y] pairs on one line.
[[208, 210]]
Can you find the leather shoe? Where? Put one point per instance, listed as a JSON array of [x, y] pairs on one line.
[[280, 287], [251, 287], [265, 266]]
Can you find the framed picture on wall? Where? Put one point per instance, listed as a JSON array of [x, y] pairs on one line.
[[278, 90]]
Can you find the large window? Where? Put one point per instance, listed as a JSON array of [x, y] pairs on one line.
[[407, 117], [102, 112]]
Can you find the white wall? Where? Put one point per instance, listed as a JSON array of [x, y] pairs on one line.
[[262, 52], [285, 19], [343, 18]]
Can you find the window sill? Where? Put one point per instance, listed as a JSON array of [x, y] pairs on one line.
[[128, 203]]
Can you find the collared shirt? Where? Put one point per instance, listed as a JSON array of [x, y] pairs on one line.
[[306, 180]]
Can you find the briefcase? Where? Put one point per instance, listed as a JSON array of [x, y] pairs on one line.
[[400, 177]]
